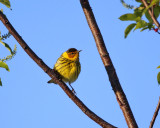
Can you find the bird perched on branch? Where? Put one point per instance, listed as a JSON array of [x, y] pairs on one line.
[[68, 66]]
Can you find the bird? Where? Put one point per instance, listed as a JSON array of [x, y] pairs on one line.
[[68, 66]]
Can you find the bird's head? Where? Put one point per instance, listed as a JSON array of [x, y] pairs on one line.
[[72, 54]]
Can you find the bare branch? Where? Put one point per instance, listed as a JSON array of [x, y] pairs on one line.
[[53, 74], [151, 14], [121, 98], [155, 114]]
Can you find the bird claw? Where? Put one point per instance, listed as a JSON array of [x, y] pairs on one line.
[[74, 92]]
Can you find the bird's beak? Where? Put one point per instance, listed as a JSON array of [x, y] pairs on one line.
[[79, 50]]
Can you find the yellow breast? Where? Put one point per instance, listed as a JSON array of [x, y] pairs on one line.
[[69, 70]]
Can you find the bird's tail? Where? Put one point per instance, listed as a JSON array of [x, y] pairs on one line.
[[51, 81]]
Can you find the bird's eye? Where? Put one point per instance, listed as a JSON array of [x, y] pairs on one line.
[[72, 53]]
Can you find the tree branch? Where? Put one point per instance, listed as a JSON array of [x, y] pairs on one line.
[[53, 74], [151, 14], [121, 98], [155, 114]]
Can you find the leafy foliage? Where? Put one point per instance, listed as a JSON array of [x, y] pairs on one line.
[[138, 17], [127, 5], [138, 14], [6, 3], [4, 37], [141, 24], [158, 76], [151, 4], [129, 17], [0, 82], [4, 65], [9, 57], [6, 45], [129, 28]]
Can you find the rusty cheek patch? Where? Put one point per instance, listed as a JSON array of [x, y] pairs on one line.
[[71, 55]]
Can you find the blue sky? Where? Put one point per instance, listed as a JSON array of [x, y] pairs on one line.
[[50, 27]]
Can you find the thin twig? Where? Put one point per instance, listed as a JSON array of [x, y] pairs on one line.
[[151, 14], [53, 75], [120, 95], [155, 114], [152, 8]]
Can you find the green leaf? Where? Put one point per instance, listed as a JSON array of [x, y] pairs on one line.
[[6, 45], [128, 29], [139, 1], [138, 11], [158, 66], [148, 17], [129, 17], [128, 6], [4, 65], [144, 29], [6, 2], [156, 11], [141, 24], [150, 26], [0, 82], [158, 78]]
